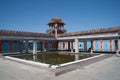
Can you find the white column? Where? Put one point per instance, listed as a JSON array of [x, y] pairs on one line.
[[34, 47], [76, 57], [76, 46]]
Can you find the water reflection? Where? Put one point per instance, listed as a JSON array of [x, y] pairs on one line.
[[76, 57], [35, 58]]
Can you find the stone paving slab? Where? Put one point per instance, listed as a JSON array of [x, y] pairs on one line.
[[81, 64], [15, 71], [107, 69]]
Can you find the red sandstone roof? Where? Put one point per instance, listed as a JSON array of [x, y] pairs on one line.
[[24, 34], [43, 35], [97, 31]]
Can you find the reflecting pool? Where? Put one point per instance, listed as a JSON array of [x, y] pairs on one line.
[[54, 58]]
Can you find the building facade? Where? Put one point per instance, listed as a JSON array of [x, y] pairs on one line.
[[57, 38]]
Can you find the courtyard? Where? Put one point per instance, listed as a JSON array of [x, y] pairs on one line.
[[107, 69]]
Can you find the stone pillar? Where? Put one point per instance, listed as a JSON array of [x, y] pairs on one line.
[[71, 46], [68, 45], [43, 47], [92, 46], [110, 45], [59, 46], [56, 25], [117, 47], [34, 47], [85, 45], [46, 46], [101, 47], [20, 46], [27, 46], [119, 44], [76, 46], [11, 46]]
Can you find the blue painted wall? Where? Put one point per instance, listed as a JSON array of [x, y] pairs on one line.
[[5, 46], [31, 46], [15, 46], [115, 45], [81, 45], [63, 45], [88, 45], [105, 45], [96, 45], [38, 46], [23, 46]]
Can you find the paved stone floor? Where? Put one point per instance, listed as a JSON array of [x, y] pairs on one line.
[[107, 69]]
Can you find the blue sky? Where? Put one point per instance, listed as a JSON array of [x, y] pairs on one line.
[[33, 15]]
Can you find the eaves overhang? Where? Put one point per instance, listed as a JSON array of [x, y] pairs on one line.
[[26, 38]]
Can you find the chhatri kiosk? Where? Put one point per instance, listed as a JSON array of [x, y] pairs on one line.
[[57, 38]]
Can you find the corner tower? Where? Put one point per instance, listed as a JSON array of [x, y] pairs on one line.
[[56, 26]]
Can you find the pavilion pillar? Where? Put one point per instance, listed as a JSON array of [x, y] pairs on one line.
[[76, 49], [20, 46], [117, 47], [68, 45], [110, 45], [59, 45], [2, 46], [119, 44], [27, 46], [11, 46], [56, 25], [46, 46], [34, 47], [43, 46], [71, 46], [101, 47], [76, 46], [92, 44], [85, 45]]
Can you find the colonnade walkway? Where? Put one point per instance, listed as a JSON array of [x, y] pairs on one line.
[[107, 69]]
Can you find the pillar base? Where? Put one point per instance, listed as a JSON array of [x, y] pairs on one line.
[[71, 50], [76, 57], [117, 53], [91, 51]]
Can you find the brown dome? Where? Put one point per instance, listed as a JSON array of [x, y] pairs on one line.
[[56, 19]]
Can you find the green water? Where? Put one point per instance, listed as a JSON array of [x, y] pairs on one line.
[[52, 58]]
